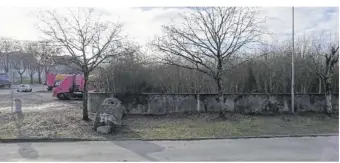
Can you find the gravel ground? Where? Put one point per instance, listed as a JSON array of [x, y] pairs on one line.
[[37, 100], [40, 111]]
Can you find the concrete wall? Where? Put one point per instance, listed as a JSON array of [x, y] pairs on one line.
[[94, 100], [241, 103]]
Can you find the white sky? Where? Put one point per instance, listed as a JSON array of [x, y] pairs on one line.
[[142, 24]]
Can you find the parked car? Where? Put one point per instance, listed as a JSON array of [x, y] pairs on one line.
[[24, 88], [4, 80]]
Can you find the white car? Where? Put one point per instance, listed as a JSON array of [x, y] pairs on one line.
[[24, 88]]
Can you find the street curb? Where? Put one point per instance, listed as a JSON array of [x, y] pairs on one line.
[[140, 139]]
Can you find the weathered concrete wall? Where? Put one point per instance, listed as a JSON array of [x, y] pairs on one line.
[[241, 103], [94, 100]]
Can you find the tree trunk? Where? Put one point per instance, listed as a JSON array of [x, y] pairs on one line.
[[236, 87], [21, 78], [220, 97], [31, 76], [7, 64], [270, 84], [39, 77], [328, 94], [266, 86], [46, 71], [85, 111], [320, 84], [305, 85]]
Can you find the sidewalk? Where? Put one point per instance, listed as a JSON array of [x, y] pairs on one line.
[[274, 149]]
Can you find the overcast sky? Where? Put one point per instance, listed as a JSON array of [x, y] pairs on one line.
[[141, 24]]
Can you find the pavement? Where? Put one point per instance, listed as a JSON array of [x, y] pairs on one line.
[[257, 149]]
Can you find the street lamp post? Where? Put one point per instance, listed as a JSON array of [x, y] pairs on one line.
[[292, 84], [12, 93]]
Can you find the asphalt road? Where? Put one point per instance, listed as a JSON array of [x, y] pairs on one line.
[[269, 149]]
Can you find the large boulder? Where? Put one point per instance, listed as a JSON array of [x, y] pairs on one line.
[[104, 129], [109, 113]]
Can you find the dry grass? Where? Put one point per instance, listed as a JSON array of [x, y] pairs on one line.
[[52, 124], [68, 124], [207, 126]]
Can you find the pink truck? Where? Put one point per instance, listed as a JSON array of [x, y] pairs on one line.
[[70, 87], [53, 80], [50, 81]]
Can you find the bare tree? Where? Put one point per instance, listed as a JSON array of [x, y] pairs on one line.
[[87, 38], [208, 38], [269, 73], [325, 62], [7, 45], [46, 49], [31, 62], [32, 69], [19, 62]]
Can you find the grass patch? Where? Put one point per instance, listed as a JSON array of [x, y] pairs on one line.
[[68, 124], [207, 126], [27, 81]]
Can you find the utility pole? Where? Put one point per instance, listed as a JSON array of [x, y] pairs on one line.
[[292, 84], [12, 93]]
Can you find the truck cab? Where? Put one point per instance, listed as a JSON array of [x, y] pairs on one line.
[[70, 87]]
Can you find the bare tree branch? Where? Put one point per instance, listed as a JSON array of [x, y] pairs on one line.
[[88, 39], [208, 37]]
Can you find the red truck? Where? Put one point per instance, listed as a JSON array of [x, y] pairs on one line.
[[71, 87]]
